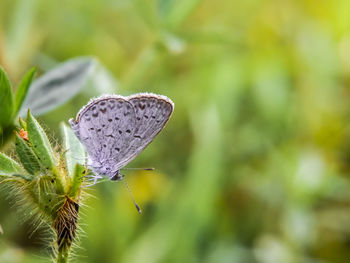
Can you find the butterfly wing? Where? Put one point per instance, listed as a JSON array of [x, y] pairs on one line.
[[115, 129], [104, 127], [151, 114]]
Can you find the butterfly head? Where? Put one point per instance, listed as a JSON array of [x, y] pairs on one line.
[[116, 177]]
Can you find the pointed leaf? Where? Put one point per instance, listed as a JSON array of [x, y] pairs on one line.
[[26, 155], [58, 85], [79, 172], [75, 151], [8, 166], [40, 143], [23, 124], [23, 88], [6, 100]]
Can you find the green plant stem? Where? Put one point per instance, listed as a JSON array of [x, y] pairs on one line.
[[59, 181], [62, 256]]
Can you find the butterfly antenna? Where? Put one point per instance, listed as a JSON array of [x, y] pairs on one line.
[[133, 199], [146, 169]]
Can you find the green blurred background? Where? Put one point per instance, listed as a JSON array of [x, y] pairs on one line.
[[253, 166]]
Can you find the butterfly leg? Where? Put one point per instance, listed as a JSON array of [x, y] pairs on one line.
[[93, 178]]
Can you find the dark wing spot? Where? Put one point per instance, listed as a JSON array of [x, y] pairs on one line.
[[142, 106], [128, 131], [110, 120]]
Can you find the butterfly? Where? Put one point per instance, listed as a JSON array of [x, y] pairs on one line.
[[115, 129]]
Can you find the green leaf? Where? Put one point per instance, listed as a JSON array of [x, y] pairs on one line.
[[6, 100], [23, 88], [9, 166], [40, 143], [75, 153], [26, 155], [58, 85], [22, 123], [79, 172]]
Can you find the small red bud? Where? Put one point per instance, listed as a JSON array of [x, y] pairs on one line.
[[23, 134]]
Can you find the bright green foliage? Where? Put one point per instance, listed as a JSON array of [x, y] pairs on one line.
[[40, 142], [23, 88], [27, 157], [76, 180], [22, 123], [8, 166], [48, 92], [75, 152], [46, 193], [50, 195], [6, 100], [9, 106]]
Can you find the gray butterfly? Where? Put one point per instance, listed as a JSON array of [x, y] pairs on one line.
[[115, 129]]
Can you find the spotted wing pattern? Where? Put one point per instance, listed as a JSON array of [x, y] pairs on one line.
[[115, 129]]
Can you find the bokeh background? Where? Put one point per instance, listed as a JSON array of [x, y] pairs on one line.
[[253, 166]]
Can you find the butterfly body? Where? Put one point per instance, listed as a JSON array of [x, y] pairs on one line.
[[115, 129]]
